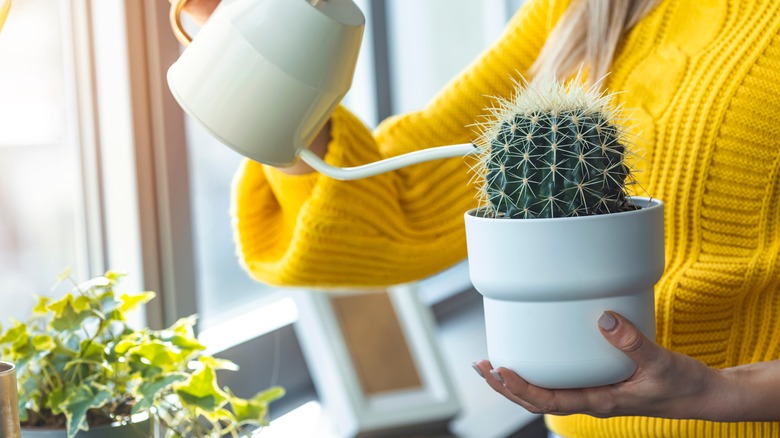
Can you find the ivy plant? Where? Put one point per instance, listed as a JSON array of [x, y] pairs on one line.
[[79, 364]]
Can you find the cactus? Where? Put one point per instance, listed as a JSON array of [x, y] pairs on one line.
[[553, 150]]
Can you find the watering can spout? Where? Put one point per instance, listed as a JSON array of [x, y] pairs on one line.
[[386, 165]]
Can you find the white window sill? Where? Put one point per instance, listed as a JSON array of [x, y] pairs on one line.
[[278, 310], [484, 413]]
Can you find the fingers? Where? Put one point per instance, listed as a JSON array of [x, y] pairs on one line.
[[619, 332], [487, 372], [537, 400], [604, 401]]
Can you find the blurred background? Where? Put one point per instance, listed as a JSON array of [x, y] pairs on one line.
[[99, 169]]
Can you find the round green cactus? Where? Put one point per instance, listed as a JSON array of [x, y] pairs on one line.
[[554, 150]]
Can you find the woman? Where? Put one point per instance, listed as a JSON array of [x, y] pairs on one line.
[[703, 82]]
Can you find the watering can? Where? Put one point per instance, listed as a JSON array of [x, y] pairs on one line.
[[264, 76]]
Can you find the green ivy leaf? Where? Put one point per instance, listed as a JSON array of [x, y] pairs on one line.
[[41, 306], [218, 364], [249, 413], [78, 402], [21, 350], [270, 394], [130, 302], [21, 355], [184, 341], [43, 343], [254, 410], [126, 344], [61, 360], [19, 330], [222, 415], [28, 394], [109, 306], [92, 350], [200, 391], [157, 353], [66, 318], [149, 389], [115, 276], [55, 399], [184, 326], [82, 303]]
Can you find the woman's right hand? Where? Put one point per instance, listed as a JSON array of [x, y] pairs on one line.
[[200, 10]]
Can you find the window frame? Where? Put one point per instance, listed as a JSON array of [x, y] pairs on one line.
[[141, 154]]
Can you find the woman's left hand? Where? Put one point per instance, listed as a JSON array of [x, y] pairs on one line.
[[665, 384]]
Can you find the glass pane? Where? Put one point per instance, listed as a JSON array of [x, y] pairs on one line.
[[224, 289], [431, 41], [223, 286], [38, 163]]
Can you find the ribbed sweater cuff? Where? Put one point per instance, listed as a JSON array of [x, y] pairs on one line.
[[291, 190]]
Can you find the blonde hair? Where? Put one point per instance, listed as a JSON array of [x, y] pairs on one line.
[[587, 36]]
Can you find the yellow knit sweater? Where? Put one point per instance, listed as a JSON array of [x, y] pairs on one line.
[[702, 79]]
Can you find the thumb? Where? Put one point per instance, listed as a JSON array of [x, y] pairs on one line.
[[622, 334]]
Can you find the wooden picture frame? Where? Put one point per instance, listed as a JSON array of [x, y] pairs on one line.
[[375, 361]]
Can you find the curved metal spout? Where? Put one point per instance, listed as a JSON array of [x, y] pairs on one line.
[[386, 165]]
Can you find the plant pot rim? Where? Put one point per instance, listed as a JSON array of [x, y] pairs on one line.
[[643, 202], [136, 419]]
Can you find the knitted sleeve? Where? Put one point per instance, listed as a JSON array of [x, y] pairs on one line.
[[392, 228]]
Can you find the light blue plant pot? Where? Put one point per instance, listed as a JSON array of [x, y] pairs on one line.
[[546, 282]]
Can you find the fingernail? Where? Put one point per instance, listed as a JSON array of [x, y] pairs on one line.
[[607, 321], [497, 376], [476, 368]]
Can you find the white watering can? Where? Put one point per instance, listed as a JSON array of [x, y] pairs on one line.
[[264, 76]]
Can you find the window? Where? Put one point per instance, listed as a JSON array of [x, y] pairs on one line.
[[222, 286], [42, 225], [98, 167]]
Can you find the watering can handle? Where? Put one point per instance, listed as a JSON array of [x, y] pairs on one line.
[[177, 6]]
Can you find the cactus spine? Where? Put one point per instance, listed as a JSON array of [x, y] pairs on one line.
[[553, 150]]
